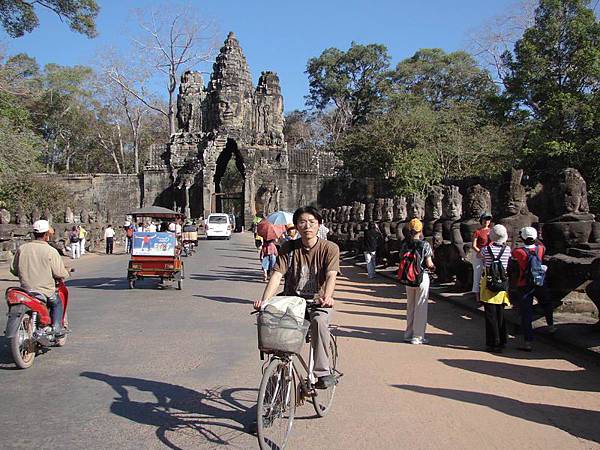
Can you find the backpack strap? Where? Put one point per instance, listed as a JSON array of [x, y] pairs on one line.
[[501, 252]]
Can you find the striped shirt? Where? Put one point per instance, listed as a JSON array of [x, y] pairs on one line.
[[496, 249]]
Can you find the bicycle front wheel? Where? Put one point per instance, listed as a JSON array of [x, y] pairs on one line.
[[276, 405], [323, 399]]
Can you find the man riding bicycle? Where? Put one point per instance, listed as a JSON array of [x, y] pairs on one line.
[[310, 266]]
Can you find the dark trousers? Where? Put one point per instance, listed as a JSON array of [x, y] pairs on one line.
[[495, 326], [109, 245], [524, 299], [129, 244]]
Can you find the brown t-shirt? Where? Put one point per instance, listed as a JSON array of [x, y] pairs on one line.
[[305, 271]]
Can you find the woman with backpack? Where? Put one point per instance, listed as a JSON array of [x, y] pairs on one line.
[[526, 264], [415, 257], [74, 241], [494, 288]]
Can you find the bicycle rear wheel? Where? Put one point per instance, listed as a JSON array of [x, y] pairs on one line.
[[323, 399], [276, 406]]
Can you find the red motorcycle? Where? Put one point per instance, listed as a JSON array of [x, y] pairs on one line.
[[29, 325]]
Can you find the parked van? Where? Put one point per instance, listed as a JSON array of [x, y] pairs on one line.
[[218, 225]]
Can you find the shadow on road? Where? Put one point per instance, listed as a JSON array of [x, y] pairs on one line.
[[237, 274], [581, 423], [575, 380], [216, 415], [226, 300], [6, 360]]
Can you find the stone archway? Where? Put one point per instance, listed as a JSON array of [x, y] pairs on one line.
[[228, 182]]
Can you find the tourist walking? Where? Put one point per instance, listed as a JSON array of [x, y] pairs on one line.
[[416, 257], [109, 236], [74, 242], [268, 257], [494, 288], [82, 236], [371, 240], [529, 282], [480, 240]]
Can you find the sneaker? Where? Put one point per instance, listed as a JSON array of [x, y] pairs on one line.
[[325, 382], [418, 341]]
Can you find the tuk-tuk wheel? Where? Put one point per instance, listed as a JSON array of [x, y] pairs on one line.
[[131, 283]]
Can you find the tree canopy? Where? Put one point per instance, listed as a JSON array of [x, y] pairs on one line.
[[19, 17]]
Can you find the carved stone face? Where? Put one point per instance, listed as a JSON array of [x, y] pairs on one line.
[[400, 211], [433, 203], [378, 213], [452, 203], [339, 216], [360, 212], [388, 209], [478, 201], [415, 206], [346, 213], [369, 209], [572, 194]]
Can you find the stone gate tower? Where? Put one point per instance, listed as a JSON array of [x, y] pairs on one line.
[[230, 118]]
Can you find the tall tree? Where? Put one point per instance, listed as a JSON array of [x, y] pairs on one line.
[[19, 16], [349, 85], [443, 79], [168, 43]]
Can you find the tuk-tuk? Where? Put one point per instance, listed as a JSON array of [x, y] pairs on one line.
[[155, 254]]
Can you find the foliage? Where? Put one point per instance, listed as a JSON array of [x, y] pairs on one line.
[[29, 192], [443, 78], [19, 17], [18, 149], [554, 79], [414, 145], [352, 82]]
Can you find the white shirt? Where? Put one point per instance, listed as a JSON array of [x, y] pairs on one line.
[[109, 232], [172, 227], [151, 228], [177, 229]]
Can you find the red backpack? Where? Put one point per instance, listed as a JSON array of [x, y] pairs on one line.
[[410, 272]]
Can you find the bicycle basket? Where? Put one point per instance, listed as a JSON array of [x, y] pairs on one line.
[[279, 331]]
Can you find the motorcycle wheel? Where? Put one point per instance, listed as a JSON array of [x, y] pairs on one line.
[[63, 340], [22, 346]]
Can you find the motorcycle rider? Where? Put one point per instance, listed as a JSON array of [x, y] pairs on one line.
[[38, 265]]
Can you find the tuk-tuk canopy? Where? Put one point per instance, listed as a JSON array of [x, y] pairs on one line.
[[156, 212]]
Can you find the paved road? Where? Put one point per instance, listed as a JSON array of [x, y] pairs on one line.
[[156, 368]]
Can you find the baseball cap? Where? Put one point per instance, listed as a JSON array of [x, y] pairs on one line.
[[415, 225], [528, 232], [41, 226]]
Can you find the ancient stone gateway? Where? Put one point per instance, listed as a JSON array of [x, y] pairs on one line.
[[230, 119]]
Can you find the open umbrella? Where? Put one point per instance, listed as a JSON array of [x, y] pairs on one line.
[[268, 231], [280, 218]]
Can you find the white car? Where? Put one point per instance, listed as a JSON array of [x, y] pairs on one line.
[[218, 225]]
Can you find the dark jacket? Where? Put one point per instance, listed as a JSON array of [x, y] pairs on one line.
[[371, 239]]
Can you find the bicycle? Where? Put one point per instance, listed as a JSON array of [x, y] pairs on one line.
[[287, 382]]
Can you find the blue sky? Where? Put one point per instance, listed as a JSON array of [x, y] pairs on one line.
[[281, 35]]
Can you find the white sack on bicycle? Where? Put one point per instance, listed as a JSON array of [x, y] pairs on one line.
[[287, 305]]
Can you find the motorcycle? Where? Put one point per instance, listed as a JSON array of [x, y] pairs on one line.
[[29, 325], [188, 248]]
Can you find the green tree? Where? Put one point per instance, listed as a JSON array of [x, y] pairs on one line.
[[443, 78], [19, 16], [352, 83], [554, 79]]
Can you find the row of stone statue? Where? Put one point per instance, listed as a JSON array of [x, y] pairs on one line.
[[450, 218], [23, 218]]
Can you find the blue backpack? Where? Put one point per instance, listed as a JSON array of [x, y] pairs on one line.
[[534, 273]]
